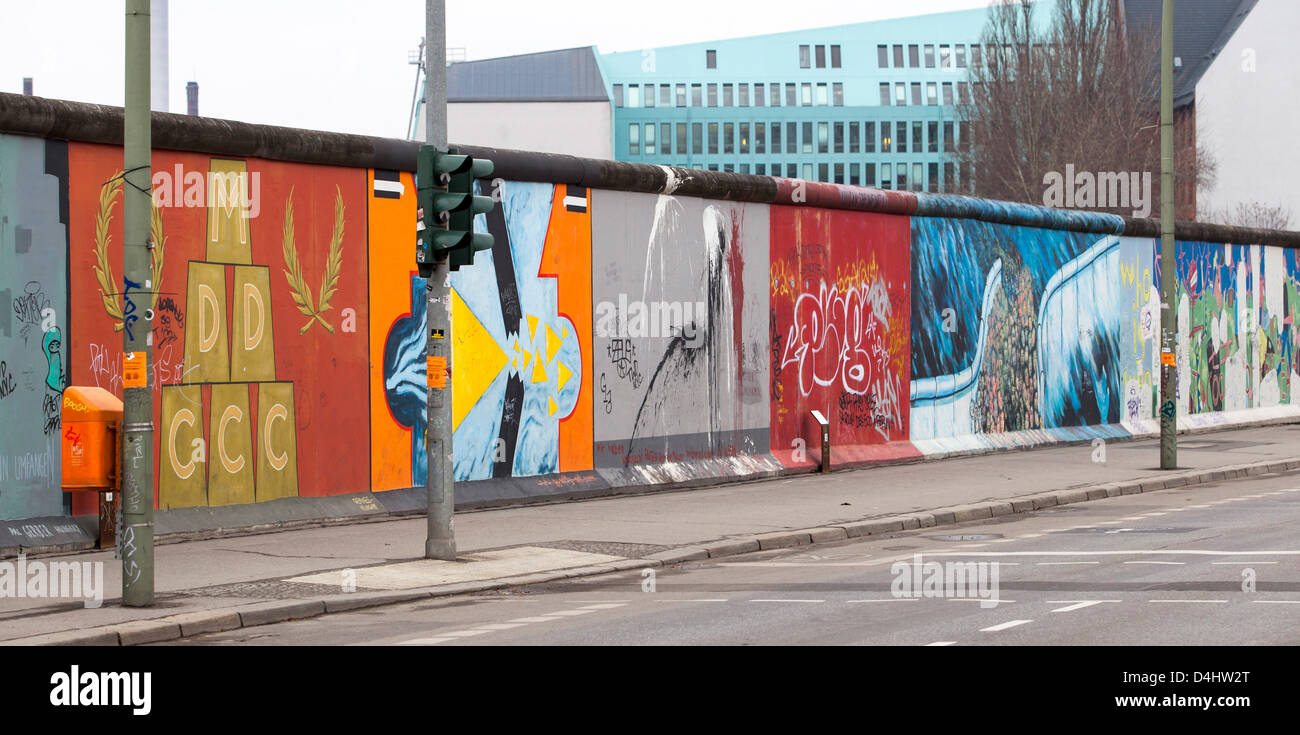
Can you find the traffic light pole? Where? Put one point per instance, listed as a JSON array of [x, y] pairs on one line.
[[136, 538], [441, 541], [1168, 274]]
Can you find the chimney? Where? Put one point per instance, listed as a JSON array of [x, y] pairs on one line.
[[192, 99], [27, 86]]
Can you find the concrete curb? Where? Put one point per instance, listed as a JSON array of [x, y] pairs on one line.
[[190, 624]]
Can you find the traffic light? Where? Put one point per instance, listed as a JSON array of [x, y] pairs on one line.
[[446, 207]]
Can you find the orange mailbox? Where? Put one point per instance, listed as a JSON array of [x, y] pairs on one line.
[[90, 420]]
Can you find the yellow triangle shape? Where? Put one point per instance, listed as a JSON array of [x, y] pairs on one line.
[[532, 327], [478, 357], [539, 370], [528, 356], [565, 374], [552, 344], [564, 331], [554, 407]]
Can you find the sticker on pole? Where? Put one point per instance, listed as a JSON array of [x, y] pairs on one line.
[[437, 372], [134, 374], [1167, 358]]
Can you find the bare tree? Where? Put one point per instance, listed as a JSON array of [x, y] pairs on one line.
[[1081, 91], [1251, 214]]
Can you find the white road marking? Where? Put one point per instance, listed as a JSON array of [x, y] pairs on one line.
[[1176, 563], [1174, 510], [424, 642], [1278, 602], [1079, 605], [1132, 518], [969, 546], [1187, 601], [786, 600], [1198, 506], [1153, 515], [534, 620], [941, 643], [571, 613], [1239, 563], [1030, 535], [1108, 523], [501, 626], [999, 601], [889, 599], [605, 606], [1063, 563], [1004, 626], [463, 633], [715, 600]]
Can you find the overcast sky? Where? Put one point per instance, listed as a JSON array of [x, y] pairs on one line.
[[341, 65]]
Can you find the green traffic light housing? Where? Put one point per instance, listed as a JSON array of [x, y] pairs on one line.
[[447, 206]]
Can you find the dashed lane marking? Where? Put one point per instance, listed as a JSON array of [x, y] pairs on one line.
[[1004, 626], [942, 643], [1071, 606]]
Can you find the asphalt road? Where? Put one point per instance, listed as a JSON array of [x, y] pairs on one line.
[[1211, 565]]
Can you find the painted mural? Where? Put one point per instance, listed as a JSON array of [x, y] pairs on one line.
[[259, 293], [680, 327], [33, 323], [840, 330], [1013, 329]]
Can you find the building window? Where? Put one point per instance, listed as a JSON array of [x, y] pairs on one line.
[[760, 138], [886, 176], [963, 93], [744, 138], [808, 172], [898, 56], [649, 95], [855, 137], [713, 95], [650, 139], [884, 94], [760, 169], [697, 96], [744, 168], [835, 57], [901, 137], [742, 95], [932, 185], [728, 95], [885, 140], [806, 96], [917, 176], [666, 139], [964, 138], [697, 138], [805, 59], [776, 137], [929, 56], [945, 57], [665, 95], [823, 95], [900, 172], [839, 173], [807, 138], [931, 93], [791, 138], [948, 144], [711, 59], [869, 174], [729, 138], [932, 137], [634, 139], [728, 168], [823, 172], [837, 91], [882, 57], [791, 171], [681, 95], [791, 95], [821, 57], [618, 95], [774, 94], [760, 98], [837, 145], [947, 93], [855, 174], [961, 56], [975, 55], [949, 177], [713, 139], [823, 137], [900, 94], [914, 56], [633, 95], [869, 141], [917, 141], [681, 139], [916, 93]]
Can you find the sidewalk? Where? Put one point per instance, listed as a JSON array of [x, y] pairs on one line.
[[225, 583]]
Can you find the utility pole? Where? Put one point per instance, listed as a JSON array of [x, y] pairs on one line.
[[1168, 272], [136, 539], [441, 542]]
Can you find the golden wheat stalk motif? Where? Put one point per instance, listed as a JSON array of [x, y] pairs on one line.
[[298, 288], [108, 290]]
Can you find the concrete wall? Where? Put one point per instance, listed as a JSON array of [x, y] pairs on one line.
[[573, 128], [611, 338], [1246, 106]]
